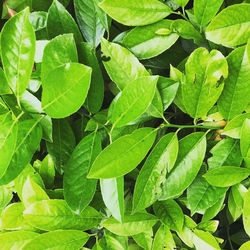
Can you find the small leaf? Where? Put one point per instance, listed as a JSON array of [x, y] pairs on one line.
[[245, 141]]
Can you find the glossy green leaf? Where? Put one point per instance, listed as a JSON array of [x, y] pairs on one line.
[[245, 246], [135, 13], [4, 87], [132, 224], [133, 101], [235, 96], [124, 73], [78, 190], [59, 21], [192, 150], [226, 176], [246, 213], [49, 215], [74, 81], [18, 51], [60, 239], [144, 239], [145, 42], [152, 175], [5, 197], [245, 141], [123, 155], [205, 240], [231, 26], [113, 196]]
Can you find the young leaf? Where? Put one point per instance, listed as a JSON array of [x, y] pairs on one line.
[[246, 213], [245, 141], [123, 155], [146, 43], [137, 12], [132, 224], [60, 239], [226, 176], [113, 196], [49, 215], [192, 150], [231, 26], [78, 190], [18, 51], [74, 81], [133, 101], [124, 73], [170, 213], [152, 175]]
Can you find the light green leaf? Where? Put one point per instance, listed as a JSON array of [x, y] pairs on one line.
[[133, 101], [123, 155], [57, 240], [153, 173], [4, 87], [245, 141], [192, 150], [132, 224], [78, 190], [144, 239], [16, 240], [145, 42], [201, 195], [49, 215], [245, 246], [5, 197], [18, 51], [236, 94], [124, 73], [205, 240], [58, 52], [226, 176], [205, 10], [246, 212], [231, 26], [182, 3], [74, 81], [59, 21], [113, 196], [137, 12]]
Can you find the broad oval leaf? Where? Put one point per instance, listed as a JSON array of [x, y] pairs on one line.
[[134, 100], [49, 215], [132, 224], [246, 213], [245, 142], [137, 12], [18, 51], [226, 176], [192, 150], [153, 173], [123, 155], [74, 79], [231, 26], [57, 240], [78, 190]]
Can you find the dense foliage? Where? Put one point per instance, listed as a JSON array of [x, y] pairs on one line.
[[125, 124]]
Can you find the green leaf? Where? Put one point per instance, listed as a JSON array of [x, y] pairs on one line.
[[144, 239], [63, 143], [245, 141], [59, 21], [5, 197], [49, 215], [152, 175], [205, 240], [123, 155], [226, 176], [18, 51], [170, 213], [192, 150], [201, 195], [246, 213], [146, 43], [61, 239], [235, 96], [205, 10], [137, 12], [78, 190], [91, 26], [113, 196], [200, 87], [124, 73], [58, 52], [182, 3], [133, 101], [16, 239], [4, 87], [96, 91], [245, 246], [74, 81], [231, 26], [132, 224]]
